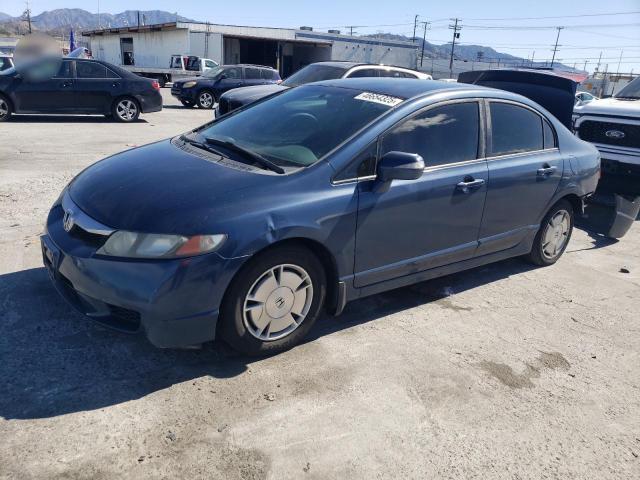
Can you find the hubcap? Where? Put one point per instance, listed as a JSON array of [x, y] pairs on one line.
[[206, 100], [4, 108], [278, 302], [127, 109], [556, 234]]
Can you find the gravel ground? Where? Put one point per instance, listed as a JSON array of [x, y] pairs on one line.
[[505, 371]]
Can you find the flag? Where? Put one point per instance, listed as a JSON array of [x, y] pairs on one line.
[[72, 41]]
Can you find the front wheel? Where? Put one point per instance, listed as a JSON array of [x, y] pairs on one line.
[[274, 301], [126, 110], [206, 99], [553, 236]]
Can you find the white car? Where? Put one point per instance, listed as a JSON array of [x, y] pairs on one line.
[[613, 126], [584, 97]]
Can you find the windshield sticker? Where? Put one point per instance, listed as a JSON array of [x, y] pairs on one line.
[[378, 98]]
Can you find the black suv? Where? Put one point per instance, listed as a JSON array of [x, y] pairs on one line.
[[205, 91]]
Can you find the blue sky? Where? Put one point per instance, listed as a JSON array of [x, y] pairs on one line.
[[483, 22]]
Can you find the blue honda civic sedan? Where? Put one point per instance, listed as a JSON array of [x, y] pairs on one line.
[[250, 226]]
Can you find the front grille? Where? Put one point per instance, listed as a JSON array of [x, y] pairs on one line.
[[596, 132], [123, 319]]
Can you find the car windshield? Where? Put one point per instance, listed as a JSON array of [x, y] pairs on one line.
[[301, 125], [214, 72], [631, 90], [314, 73]]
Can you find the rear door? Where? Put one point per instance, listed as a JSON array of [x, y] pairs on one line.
[[525, 168], [252, 76], [435, 220], [95, 86]]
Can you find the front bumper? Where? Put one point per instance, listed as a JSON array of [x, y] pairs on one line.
[[184, 94], [175, 303]]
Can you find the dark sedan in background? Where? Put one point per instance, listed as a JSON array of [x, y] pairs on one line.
[[205, 91], [77, 86], [314, 73], [250, 225]]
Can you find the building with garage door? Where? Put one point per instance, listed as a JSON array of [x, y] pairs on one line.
[[285, 49]]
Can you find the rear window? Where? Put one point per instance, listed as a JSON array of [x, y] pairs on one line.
[[514, 129], [268, 74], [251, 73], [314, 73]]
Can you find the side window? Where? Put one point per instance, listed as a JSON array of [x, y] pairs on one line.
[[112, 74], [268, 74], [90, 70], [441, 135], [252, 73], [365, 72], [66, 69], [364, 165], [233, 73], [393, 74], [549, 137], [209, 64], [514, 129]]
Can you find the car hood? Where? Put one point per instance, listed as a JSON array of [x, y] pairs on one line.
[[160, 188], [610, 106], [251, 94]]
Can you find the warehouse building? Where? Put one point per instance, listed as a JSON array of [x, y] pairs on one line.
[[285, 49]]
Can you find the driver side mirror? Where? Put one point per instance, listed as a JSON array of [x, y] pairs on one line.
[[222, 77], [398, 166]]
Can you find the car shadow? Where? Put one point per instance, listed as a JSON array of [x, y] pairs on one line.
[[56, 361], [65, 119]]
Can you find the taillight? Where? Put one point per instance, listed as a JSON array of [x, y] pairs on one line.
[[155, 84]]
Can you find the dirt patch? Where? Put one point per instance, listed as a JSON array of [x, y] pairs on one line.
[[507, 376]]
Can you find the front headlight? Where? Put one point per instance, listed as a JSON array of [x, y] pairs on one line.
[[153, 245], [189, 84]]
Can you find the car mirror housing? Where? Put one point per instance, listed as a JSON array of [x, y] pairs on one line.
[[400, 166]]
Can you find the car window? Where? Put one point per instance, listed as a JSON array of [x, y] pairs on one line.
[[314, 73], [232, 73], [43, 70], [210, 64], [5, 62], [252, 73], [514, 129], [396, 74], [365, 72], [364, 165], [66, 70], [441, 135], [268, 74], [90, 70], [549, 137]]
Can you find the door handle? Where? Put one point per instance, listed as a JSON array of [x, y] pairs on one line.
[[546, 170], [469, 184]]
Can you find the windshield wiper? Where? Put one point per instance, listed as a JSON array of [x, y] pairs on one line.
[[627, 97], [201, 145], [256, 157]]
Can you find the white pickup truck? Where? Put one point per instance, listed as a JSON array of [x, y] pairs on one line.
[[613, 126], [181, 66]]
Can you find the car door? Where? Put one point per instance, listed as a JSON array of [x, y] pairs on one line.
[[46, 87], [252, 77], [95, 86], [420, 224], [230, 78], [525, 168]]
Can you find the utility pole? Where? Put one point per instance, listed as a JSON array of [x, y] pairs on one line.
[[351, 27], [598, 66], [555, 47], [533, 55], [415, 24], [27, 13], [424, 39], [585, 65], [99, 25], [456, 34]]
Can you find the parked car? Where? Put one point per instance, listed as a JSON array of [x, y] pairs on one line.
[[314, 73], [6, 62], [205, 91], [76, 86], [613, 126], [248, 226], [584, 97]]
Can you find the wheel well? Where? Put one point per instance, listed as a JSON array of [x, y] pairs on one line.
[[9, 101], [575, 201]]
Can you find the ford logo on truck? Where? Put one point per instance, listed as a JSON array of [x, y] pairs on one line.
[[617, 134]]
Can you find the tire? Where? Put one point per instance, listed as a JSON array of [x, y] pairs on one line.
[[187, 103], [125, 109], [263, 312], [206, 99], [5, 109], [553, 236]]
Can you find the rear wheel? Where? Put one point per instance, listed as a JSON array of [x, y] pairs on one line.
[[206, 99], [274, 301], [126, 109], [5, 109], [553, 236]]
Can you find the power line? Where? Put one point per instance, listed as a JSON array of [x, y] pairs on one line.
[[558, 16]]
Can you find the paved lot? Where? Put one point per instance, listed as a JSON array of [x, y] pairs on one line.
[[506, 371]]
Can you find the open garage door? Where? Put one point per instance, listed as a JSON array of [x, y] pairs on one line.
[[284, 55]]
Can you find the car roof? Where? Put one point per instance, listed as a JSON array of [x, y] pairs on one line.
[[398, 87], [247, 65]]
